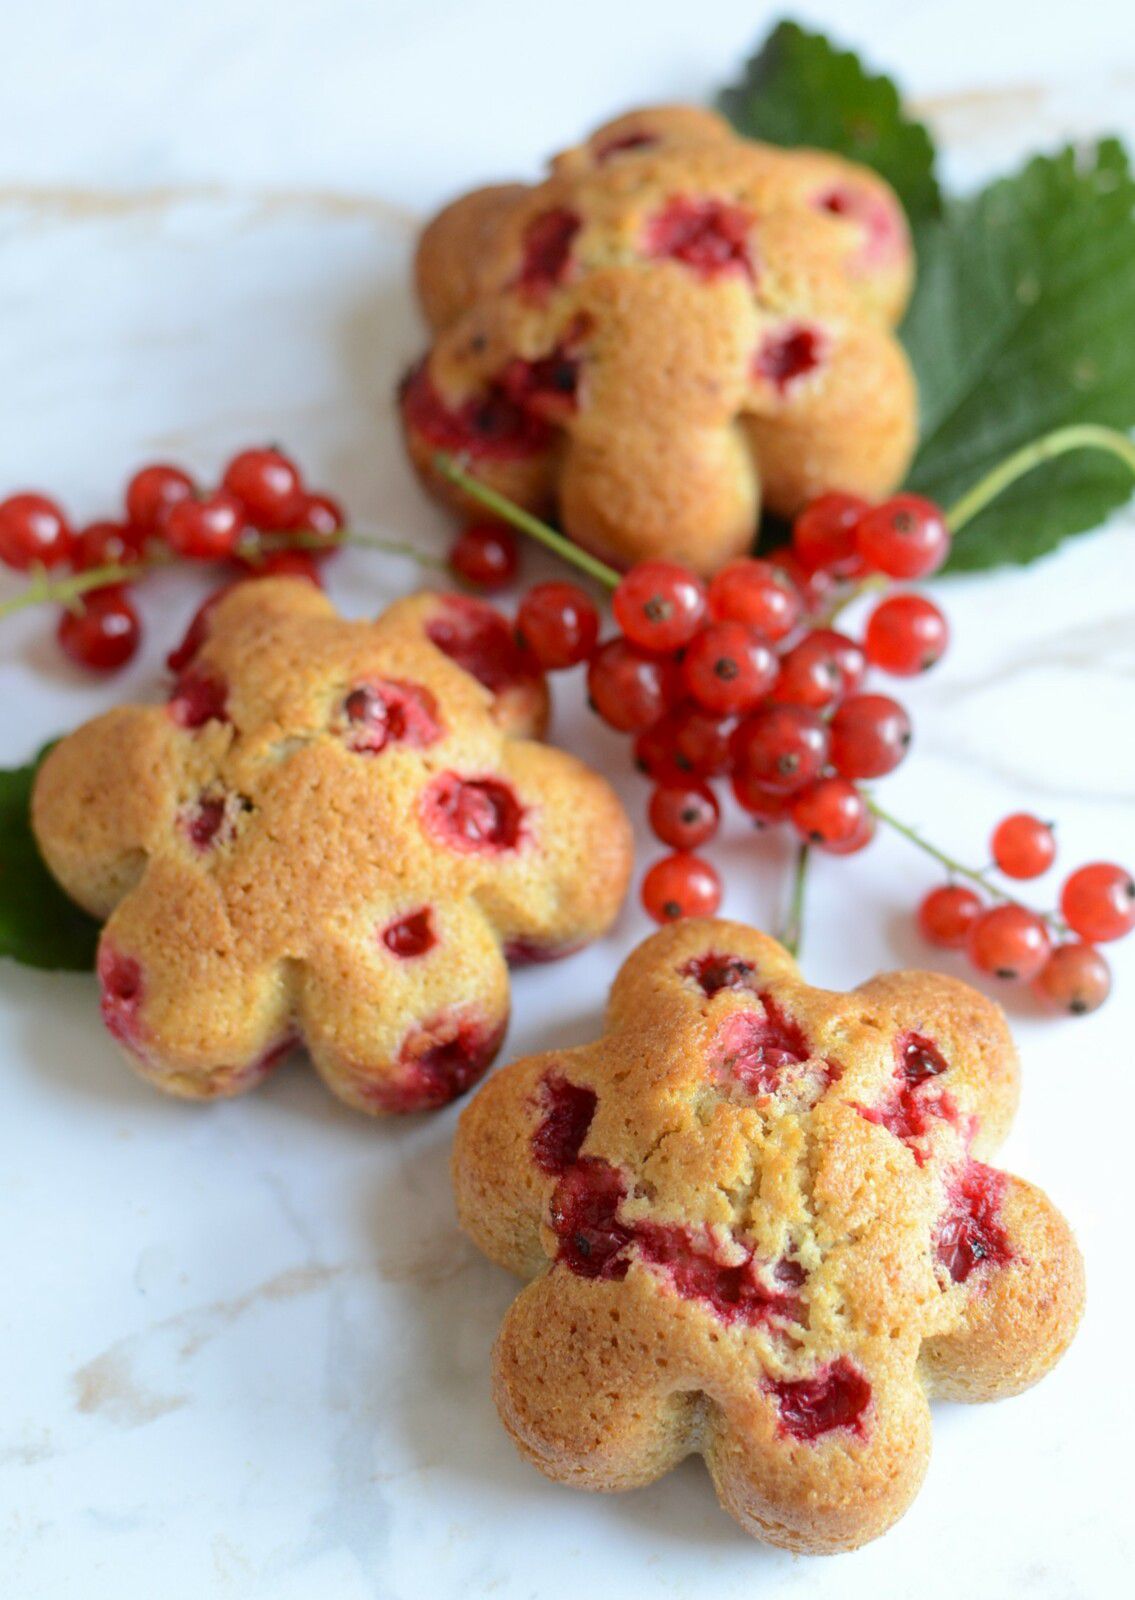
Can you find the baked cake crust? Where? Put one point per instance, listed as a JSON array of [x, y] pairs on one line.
[[674, 326], [332, 833], [759, 1224]]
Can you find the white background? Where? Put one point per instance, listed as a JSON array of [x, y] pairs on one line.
[[245, 1350]]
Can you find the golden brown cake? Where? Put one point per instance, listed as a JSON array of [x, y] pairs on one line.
[[328, 836], [677, 325], [759, 1223]]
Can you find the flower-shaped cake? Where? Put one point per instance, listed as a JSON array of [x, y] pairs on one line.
[[675, 326], [759, 1224], [328, 836]]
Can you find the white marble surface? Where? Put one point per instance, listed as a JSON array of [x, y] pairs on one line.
[[245, 1349]]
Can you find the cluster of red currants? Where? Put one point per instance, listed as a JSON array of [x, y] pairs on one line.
[[166, 517], [1055, 952]]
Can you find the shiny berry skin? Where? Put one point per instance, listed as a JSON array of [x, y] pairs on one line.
[[33, 533], [814, 588], [559, 623], [685, 817], [1023, 846], [758, 594], [780, 748], [1098, 902], [105, 544], [870, 735], [207, 529], [655, 754], [323, 516], [821, 670], [659, 605], [1010, 942], [152, 493], [288, 564], [1075, 978], [765, 808], [269, 487], [702, 741], [905, 537], [823, 535], [832, 814], [681, 885], [906, 634], [629, 688], [104, 634], [948, 913], [728, 669], [486, 556]]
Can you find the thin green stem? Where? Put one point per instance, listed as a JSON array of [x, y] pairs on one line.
[[792, 932], [65, 591], [513, 514], [1080, 436]]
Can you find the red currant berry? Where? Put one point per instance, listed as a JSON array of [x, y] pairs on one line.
[[1023, 846], [702, 741], [1098, 902], [1075, 978], [681, 885], [823, 535], [905, 537], [659, 605], [322, 516], [765, 808], [153, 492], [628, 688], [727, 669], [870, 735], [205, 530], [814, 588], [33, 533], [820, 671], [833, 814], [948, 913], [906, 634], [486, 556], [686, 817], [780, 748], [105, 544], [655, 755], [286, 564], [758, 594], [559, 623], [1009, 941], [268, 486], [104, 634]]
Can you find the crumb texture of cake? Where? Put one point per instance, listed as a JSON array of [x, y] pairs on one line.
[[759, 1222], [676, 327], [334, 834]]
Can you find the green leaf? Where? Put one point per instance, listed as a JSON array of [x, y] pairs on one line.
[[39, 926], [800, 90], [1022, 323]]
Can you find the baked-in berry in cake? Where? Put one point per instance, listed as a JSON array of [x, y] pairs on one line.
[[760, 1223], [335, 833], [675, 327]]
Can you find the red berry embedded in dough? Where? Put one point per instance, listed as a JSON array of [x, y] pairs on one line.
[[971, 1232], [1075, 979], [659, 605], [948, 913], [754, 1049], [780, 748], [1009, 942], [905, 635], [438, 1061], [33, 533], [490, 424], [734, 1291], [684, 817], [714, 972], [905, 537], [120, 981], [835, 1397], [1098, 901], [870, 735], [1023, 846], [153, 492], [547, 243], [568, 1111], [475, 635], [728, 669], [268, 486], [206, 529], [485, 555], [583, 1214], [681, 885], [473, 815], [623, 145], [629, 688], [198, 698], [791, 353], [914, 1101], [757, 593], [104, 633], [386, 711], [205, 821], [411, 935], [559, 623], [709, 236], [823, 534]]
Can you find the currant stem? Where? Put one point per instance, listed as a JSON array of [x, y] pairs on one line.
[[513, 514], [65, 591], [1080, 436], [792, 932]]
